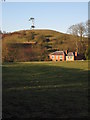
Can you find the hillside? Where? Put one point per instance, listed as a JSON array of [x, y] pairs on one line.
[[39, 43], [25, 35]]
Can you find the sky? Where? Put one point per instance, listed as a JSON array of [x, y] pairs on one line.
[[46, 0], [57, 16]]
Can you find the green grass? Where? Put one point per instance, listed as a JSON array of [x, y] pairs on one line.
[[45, 90]]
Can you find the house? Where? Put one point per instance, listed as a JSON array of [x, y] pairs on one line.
[[57, 56], [70, 56], [63, 56]]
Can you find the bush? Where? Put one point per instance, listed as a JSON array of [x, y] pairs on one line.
[[87, 53]]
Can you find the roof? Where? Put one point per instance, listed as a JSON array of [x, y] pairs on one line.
[[29, 42], [57, 53], [70, 54]]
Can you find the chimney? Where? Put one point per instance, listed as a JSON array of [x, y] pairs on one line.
[[75, 53], [66, 51]]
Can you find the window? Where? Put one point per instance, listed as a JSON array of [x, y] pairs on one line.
[[60, 56], [52, 56], [57, 57], [67, 57], [71, 57]]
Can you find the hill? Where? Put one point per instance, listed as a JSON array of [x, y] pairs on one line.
[[37, 44]]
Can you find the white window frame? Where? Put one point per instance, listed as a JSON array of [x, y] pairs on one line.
[[61, 57], [53, 56], [56, 57]]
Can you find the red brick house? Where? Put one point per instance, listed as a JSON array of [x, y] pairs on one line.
[[58, 56], [63, 56]]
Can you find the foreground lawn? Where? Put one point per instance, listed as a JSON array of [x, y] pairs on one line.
[[45, 89]]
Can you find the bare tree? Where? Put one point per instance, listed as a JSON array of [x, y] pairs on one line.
[[78, 31], [86, 27], [81, 30], [73, 30]]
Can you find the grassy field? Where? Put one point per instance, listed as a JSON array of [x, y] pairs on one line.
[[45, 90]]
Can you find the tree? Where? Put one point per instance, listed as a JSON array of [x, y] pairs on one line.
[[74, 31], [0, 32], [87, 26], [4, 32], [81, 30], [87, 53], [78, 31]]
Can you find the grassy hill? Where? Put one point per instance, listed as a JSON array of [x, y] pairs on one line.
[[23, 35], [41, 42]]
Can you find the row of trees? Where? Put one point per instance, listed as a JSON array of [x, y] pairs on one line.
[[21, 53]]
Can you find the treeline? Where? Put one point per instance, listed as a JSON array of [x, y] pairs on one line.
[[23, 53]]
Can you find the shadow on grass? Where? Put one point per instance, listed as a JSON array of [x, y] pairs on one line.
[[43, 91]]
